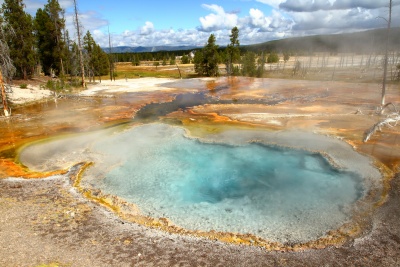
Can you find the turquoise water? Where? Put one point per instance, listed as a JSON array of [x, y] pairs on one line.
[[279, 194]]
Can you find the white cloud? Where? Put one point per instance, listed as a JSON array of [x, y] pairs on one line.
[[31, 6], [315, 5], [306, 5], [156, 38], [89, 21], [147, 29], [217, 20], [273, 3], [258, 18], [97, 34], [337, 21], [66, 3], [269, 23], [335, 16], [287, 18], [367, 4]]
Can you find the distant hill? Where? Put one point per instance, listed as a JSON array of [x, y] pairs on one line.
[[142, 49], [358, 42]]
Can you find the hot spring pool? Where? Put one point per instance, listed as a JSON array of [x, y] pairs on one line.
[[280, 194]]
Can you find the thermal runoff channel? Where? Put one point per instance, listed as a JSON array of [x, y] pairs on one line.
[[280, 194]]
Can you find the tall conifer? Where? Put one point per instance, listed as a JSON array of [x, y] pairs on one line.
[[49, 25], [206, 60], [233, 52], [21, 39]]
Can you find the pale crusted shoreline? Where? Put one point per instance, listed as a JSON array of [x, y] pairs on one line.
[[47, 221], [129, 85], [32, 93], [39, 157], [35, 92]]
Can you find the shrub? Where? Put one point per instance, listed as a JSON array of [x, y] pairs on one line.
[[185, 59], [23, 86], [286, 56], [56, 85], [273, 58]]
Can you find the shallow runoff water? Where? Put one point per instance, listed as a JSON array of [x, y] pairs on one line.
[[279, 194]]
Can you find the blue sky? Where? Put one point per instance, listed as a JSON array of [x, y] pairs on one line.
[[190, 22]]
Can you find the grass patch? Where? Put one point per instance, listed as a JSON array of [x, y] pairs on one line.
[[126, 70]]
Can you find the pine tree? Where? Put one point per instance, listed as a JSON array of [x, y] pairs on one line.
[[102, 63], [135, 60], [74, 60], [211, 56], [232, 50], [88, 46], [97, 59], [249, 64], [260, 65], [21, 40], [44, 44], [198, 62], [55, 12], [67, 52], [273, 58], [206, 61], [49, 25]]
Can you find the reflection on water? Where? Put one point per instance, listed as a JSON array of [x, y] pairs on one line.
[[152, 112], [278, 194]]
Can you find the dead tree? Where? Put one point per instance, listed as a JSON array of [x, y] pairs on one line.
[[7, 68], [180, 75], [386, 55], [6, 109], [390, 121], [111, 57], [79, 45]]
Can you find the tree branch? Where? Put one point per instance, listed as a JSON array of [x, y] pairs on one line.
[[390, 121]]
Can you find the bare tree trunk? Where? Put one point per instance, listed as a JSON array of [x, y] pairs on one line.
[[111, 59], [79, 45], [4, 96], [333, 73], [386, 55], [24, 73], [390, 121], [180, 75]]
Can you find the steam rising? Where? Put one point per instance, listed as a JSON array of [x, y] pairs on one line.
[[223, 183], [278, 194]]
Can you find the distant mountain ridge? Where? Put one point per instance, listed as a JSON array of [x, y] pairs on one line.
[[143, 49], [357, 42]]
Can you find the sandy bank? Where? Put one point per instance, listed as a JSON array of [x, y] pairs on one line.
[[32, 93], [128, 85], [35, 92]]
